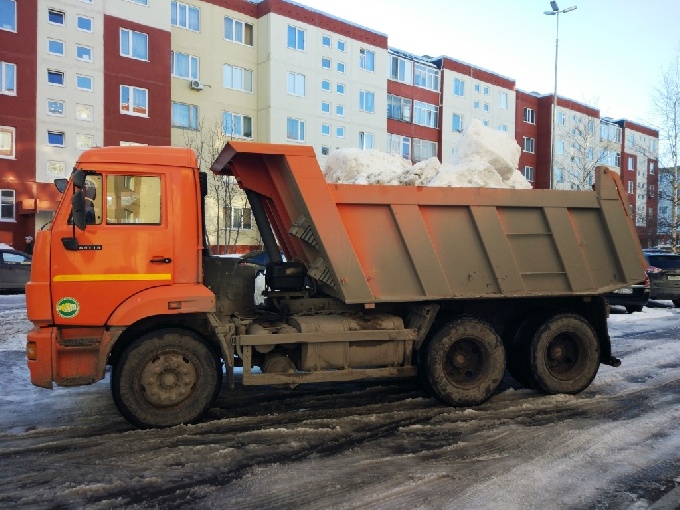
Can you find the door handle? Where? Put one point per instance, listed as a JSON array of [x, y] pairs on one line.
[[165, 260]]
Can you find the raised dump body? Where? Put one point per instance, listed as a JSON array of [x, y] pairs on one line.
[[373, 244], [452, 285]]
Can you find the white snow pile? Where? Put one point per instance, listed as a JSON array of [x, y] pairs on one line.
[[484, 158]]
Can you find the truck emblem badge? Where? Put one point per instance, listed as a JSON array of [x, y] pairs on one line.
[[68, 307]]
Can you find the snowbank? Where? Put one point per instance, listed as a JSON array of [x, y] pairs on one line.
[[484, 158]]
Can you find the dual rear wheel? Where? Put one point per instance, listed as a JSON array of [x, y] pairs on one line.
[[464, 362]]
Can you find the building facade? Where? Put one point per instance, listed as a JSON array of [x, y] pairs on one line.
[[75, 74]]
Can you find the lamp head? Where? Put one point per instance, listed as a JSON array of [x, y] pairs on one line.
[[553, 4]]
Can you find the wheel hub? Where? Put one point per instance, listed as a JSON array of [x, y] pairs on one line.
[[167, 379]]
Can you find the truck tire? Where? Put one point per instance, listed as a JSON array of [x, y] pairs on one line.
[[518, 353], [166, 378], [465, 362], [564, 355]]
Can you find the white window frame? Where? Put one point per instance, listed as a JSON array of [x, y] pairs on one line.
[[13, 26], [57, 12], [56, 73], [126, 33], [367, 101], [341, 45], [399, 108], [401, 143], [367, 60], [56, 168], [131, 105], [460, 118], [340, 89], [60, 134], [401, 70], [244, 30], [241, 125], [56, 111], [341, 67], [89, 109], [325, 129], [631, 163], [323, 85], [425, 114], [246, 76], [458, 87], [326, 41], [191, 114], [528, 173], [51, 51], [529, 115], [194, 65], [79, 86], [297, 133], [326, 63], [428, 147], [296, 84], [80, 137], [366, 140], [8, 198], [299, 35], [528, 144], [426, 77], [561, 118], [340, 110], [84, 19], [8, 142], [176, 9], [340, 131], [486, 107], [325, 150], [631, 188], [88, 50], [11, 89], [325, 107], [502, 100]]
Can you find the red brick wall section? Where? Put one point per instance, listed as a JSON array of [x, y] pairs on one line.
[[19, 112], [304, 15], [153, 75]]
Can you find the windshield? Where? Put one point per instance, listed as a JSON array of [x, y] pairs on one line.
[[664, 261]]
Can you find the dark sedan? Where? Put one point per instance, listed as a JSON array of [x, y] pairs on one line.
[[664, 276], [15, 270]]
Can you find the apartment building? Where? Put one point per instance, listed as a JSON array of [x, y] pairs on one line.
[[413, 104], [76, 74], [639, 173], [469, 92]]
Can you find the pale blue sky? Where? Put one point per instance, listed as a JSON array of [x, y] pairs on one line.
[[611, 52]]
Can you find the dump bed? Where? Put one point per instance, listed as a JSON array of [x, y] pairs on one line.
[[374, 243]]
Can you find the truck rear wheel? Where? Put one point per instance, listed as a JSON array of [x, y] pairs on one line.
[[166, 378], [465, 362], [564, 355]]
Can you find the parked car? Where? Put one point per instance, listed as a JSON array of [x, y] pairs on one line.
[[632, 298], [15, 270], [257, 259], [664, 275]]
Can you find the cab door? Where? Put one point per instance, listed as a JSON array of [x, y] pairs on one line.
[[126, 247]]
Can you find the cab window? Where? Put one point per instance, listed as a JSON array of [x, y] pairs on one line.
[[133, 199]]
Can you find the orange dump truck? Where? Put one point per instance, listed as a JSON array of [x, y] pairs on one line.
[[452, 285]]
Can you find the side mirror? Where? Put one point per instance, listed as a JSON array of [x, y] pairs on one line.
[[61, 185], [79, 178], [78, 209]]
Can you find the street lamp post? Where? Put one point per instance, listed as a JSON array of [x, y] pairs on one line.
[[555, 12]]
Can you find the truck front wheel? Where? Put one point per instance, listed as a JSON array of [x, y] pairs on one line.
[[465, 362], [166, 378], [564, 355]]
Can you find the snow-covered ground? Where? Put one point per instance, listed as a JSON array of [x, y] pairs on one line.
[[382, 445]]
